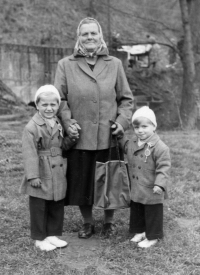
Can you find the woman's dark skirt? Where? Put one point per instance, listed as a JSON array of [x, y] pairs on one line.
[[81, 172]]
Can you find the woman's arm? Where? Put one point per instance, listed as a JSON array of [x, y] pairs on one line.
[[60, 83], [124, 99]]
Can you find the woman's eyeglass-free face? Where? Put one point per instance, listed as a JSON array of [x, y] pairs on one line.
[[89, 36]]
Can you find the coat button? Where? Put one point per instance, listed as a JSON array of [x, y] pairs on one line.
[[139, 167], [95, 121], [133, 176], [53, 166], [137, 178], [61, 165], [94, 100]]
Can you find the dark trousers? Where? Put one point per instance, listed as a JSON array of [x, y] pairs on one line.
[[46, 218], [147, 218]]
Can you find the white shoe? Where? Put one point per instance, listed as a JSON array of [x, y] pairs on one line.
[[44, 246], [138, 237], [147, 243], [56, 242]]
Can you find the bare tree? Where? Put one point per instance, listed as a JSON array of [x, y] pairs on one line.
[[91, 9], [195, 27]]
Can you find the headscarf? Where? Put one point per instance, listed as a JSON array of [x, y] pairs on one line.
[[101, 49]]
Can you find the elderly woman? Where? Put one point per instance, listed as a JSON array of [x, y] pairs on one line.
[[94, 90]]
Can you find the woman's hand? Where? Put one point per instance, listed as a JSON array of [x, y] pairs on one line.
[[73, 131], [117, 130], [157, 190], [35, 183]]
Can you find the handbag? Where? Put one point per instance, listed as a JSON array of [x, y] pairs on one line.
[[112, 185]]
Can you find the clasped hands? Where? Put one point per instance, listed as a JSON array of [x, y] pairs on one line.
[[117, 130], [73, 131]]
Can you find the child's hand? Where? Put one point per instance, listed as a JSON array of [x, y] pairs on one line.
[[35, 183], [157, 190]]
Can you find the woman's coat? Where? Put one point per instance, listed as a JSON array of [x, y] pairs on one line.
[[92, 98], [42, 157], [146, 172]]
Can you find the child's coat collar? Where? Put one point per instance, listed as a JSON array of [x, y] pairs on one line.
[[40, 121], [151, 142]]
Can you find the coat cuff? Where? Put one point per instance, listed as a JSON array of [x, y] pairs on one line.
[[30, 177]]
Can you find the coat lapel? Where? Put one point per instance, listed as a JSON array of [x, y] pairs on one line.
[[101, 65], [84, 67], [55, 129], [38, 119], [152, 141]]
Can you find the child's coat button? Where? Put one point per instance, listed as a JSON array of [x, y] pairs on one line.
[[53, 166]]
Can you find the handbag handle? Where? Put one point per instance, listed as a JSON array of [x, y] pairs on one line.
[[117, 144]]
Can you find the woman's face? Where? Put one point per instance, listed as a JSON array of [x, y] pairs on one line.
[[89, 36]]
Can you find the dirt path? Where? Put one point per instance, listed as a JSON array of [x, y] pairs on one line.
[[82, 254]]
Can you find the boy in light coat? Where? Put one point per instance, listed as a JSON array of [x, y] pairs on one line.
[[45, 170], [149, 164]]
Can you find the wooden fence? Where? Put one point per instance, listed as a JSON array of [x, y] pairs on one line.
[[25, 68]]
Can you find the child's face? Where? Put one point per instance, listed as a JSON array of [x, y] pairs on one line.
[[144, 128], [48, 105]]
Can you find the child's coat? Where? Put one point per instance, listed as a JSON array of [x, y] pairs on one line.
[[146, 172], [42, 155]]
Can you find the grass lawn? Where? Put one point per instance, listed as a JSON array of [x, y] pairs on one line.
[[178, 253]]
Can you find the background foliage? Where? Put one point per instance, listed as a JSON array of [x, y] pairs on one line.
[[50, 22]]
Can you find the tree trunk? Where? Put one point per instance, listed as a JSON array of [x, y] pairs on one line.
[[91, 9], [195, 27], [189, 108]]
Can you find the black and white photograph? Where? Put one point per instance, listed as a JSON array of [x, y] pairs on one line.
[[100, 137]]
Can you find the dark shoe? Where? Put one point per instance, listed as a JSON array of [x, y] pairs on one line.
[[86, 231], [109, 229]]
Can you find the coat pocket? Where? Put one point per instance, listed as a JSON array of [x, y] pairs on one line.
[[147, 178]]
